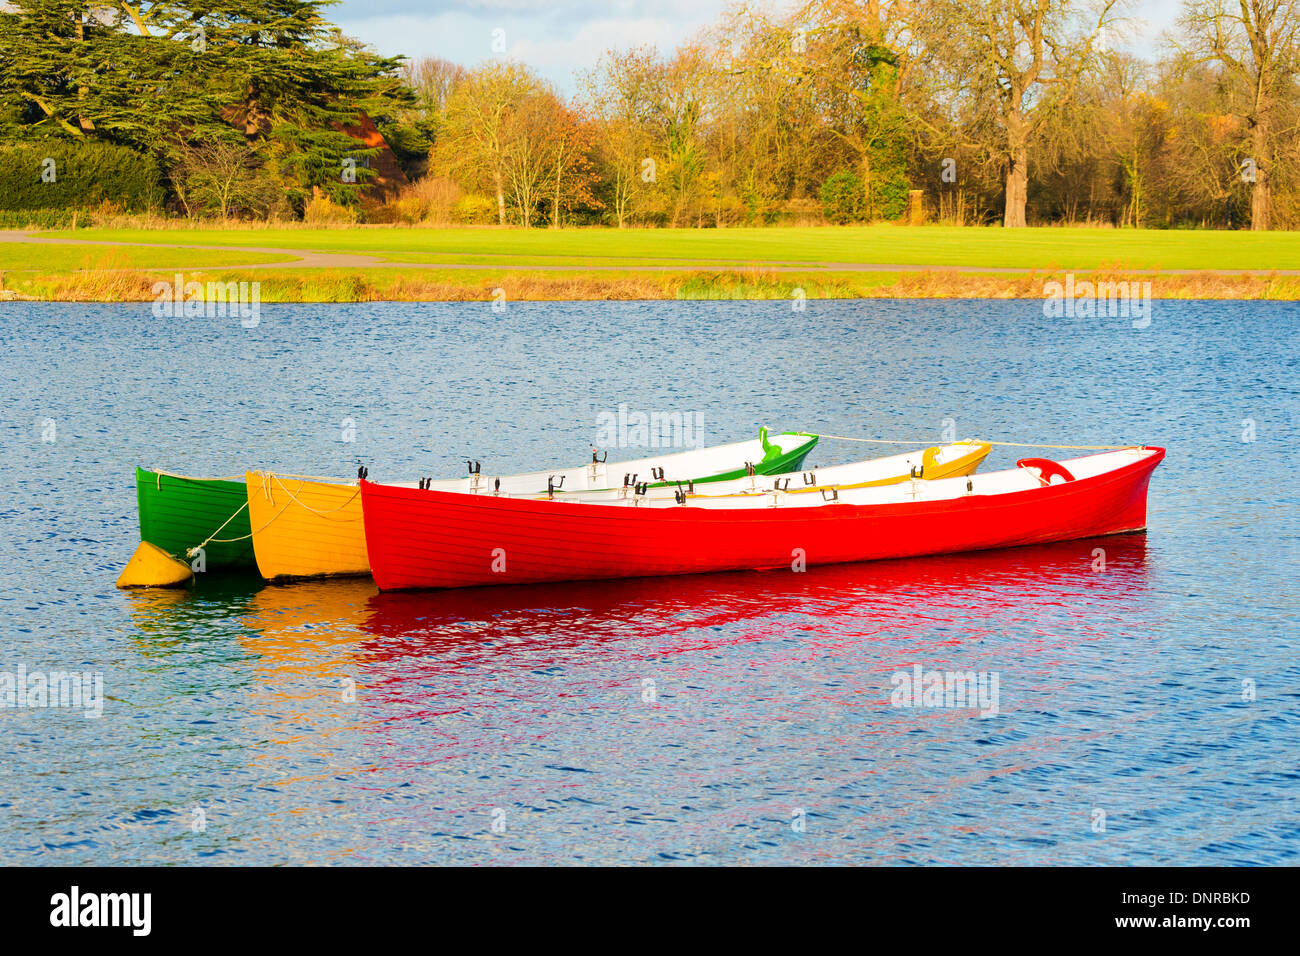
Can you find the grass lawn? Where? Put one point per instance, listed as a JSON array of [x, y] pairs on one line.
[[971, 247], [51, 257], [468, 264]]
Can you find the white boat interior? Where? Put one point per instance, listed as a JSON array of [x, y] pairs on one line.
[[808, 481], [988, 483], [601, 475]]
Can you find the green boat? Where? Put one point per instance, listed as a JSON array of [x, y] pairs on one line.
[[179, 513]]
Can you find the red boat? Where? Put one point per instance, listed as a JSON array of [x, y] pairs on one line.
[[420, 538]]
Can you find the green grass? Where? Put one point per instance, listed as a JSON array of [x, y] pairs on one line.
[[971, 247], [467, 264], [51, 257]]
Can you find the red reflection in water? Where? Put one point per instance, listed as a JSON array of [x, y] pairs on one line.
[[823, 603], [504, 670]]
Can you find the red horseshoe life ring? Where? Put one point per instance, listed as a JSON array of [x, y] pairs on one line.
[[1047, 469]]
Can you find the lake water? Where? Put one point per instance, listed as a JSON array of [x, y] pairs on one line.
[[1148, 712]]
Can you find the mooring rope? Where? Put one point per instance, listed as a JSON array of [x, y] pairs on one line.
[[190, 552], [323, 514], [159, 472], [266, 489], [1005, 444]]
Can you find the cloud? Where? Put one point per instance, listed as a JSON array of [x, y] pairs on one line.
[[558, 40]]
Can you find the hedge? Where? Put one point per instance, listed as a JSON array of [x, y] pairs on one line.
[[67, 174]]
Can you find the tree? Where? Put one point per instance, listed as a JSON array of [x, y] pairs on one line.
[[1257, 43], [479, 116], [72, 72], [678, 96], [154, 74], [841, 197], [571, 175], [433, 80], [222, 174], [529, 146], [1021, 57], [860, 57], [619, 94], [508, 130]]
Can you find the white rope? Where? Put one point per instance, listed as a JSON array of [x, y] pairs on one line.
[[266, 489], [323, 514], [190, 552], [159, 472], [1007, 444]]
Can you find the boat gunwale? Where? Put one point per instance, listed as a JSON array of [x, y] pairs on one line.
[[826, 511]]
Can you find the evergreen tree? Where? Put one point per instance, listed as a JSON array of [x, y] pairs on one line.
[[167, 75]]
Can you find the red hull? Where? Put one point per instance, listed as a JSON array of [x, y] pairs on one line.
[[433, 539]]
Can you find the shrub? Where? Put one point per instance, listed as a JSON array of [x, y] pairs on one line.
[[36, 218], [729, 210], [67, 174], [804, 211], [432, 200], [890, 196], [475, 210], [323, 211], [841, 197]]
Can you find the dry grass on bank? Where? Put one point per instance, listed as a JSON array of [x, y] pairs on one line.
[[115, 284]]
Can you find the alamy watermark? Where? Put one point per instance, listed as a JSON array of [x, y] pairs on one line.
[[129, 910], [634, 429], [37, 690], [1087, 299], [949, 689], [215, 300]]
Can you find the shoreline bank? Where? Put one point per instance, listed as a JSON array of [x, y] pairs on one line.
[[432, 284], [380, 264]]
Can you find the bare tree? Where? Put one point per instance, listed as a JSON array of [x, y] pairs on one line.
[[433, 80], [479, 117], [1255, 42], [1019, 56], [222, 175]]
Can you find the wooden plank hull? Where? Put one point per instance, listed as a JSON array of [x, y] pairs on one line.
[[177, 514], [431, 539], [305, 528]]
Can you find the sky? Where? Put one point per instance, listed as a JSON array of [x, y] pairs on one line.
[[562, 37]]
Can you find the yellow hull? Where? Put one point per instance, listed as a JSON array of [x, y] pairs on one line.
[[304, 528], [931, 469]]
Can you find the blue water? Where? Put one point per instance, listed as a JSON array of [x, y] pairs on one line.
[[713, 719]]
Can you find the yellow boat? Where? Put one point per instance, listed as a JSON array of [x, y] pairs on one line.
[[305, 527]]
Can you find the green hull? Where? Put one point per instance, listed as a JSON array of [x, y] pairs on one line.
[[775, 462], [789, 462], [177, 514]]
